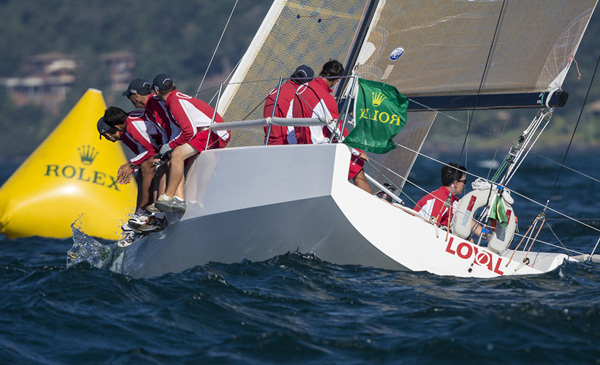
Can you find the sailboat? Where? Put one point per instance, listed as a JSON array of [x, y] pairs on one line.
[[253, 202]]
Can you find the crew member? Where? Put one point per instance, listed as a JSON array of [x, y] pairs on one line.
[[139, 92], [193, 117], [314, 100], [144, 139], [441, 203], [285, 102]]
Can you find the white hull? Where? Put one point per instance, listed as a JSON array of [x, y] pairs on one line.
[[254, 203]]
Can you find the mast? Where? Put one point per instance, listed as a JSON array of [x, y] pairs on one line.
[[356, 47]]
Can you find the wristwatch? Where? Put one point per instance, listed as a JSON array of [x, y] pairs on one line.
[[132, 165]]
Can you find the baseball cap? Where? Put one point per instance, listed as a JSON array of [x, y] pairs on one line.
[[304, 72], [162, 82], [102, 127], [138, 86]]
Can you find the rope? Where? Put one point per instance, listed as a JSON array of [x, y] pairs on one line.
[[216, 48], [575, 129]]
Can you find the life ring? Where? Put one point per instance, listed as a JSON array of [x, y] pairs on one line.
[[500, 237]]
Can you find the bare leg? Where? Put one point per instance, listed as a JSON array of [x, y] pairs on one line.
[[145, 189], [138, 180], [160, 181], [361, 181], [176, 173]]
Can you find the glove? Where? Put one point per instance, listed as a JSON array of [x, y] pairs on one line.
[[485, 233], [165, 149]]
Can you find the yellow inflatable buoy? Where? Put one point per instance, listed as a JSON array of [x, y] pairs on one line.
[[71, 176]]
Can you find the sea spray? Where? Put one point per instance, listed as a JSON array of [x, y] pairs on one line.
[[87, 249]]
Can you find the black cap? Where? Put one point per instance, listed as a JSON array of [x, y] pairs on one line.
[[102, 127], [138, 86], [162, 82], [304, 72]]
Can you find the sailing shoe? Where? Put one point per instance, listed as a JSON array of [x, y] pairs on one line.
[[125, 227], [137, 220], [172, 204], [152, 209], [154, 225]]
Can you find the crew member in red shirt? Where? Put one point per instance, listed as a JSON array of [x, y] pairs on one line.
[[144, 139], [140, 94], [285, 102], [193, 117], [433, 205], [313, 100]]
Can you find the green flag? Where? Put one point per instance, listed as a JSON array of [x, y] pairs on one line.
[[498, 212], [380, 113]]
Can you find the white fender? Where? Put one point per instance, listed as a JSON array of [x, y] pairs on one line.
[[467, 206], [462, 220], [502, 236]]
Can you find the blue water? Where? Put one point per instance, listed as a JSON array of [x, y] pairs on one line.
[[297, 309]]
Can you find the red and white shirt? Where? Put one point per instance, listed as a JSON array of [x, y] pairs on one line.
[[191, 115], [285, 104], [432, 205], [157, 112], [142, 136], [313, 100]]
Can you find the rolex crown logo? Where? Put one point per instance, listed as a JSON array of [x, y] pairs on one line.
[[87, 154], [378, 98]]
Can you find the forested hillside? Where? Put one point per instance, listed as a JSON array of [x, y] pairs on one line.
[[175, 37], [179, 38]]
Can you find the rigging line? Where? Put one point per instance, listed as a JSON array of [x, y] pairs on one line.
[[575, 129], [526, 153], [398, 175], [226, 79], [257, 105], [558, 239], [550, 244], [483, 77], [216, 48], [356, 33], [400, 191], [357, 45], [512, 191], [497, 148], [503, 140], [594, 250]]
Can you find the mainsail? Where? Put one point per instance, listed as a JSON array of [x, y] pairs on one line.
[[455, 47], [422, 47], [468, 47]]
